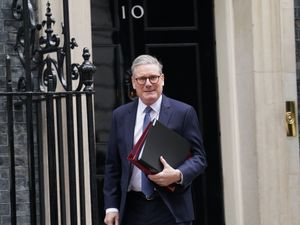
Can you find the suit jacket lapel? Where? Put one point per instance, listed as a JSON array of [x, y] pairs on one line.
[[165, 110], [129, 132], [130, 123]]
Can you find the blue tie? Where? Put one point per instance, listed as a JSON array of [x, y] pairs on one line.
[[147, 118], [147, 187]]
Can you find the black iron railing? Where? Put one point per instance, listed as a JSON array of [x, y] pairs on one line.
[[57, 97]]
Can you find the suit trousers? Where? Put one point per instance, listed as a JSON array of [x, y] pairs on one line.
[[140, 211]]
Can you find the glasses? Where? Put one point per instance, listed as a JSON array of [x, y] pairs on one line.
[[153, 79]]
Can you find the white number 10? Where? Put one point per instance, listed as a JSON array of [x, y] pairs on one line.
[[137, 12]]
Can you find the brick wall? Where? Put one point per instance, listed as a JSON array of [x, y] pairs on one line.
[[8, 31]]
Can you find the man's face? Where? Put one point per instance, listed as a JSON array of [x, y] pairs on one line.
[[152, 88]]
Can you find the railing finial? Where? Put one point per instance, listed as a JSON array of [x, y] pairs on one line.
[[86, 70]]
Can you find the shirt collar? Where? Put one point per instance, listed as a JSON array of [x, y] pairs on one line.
[[155, 106]]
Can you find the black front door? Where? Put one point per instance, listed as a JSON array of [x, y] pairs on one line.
[[181, 35]]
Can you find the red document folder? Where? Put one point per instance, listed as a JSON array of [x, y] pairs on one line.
[[158, 140], [134, 153]]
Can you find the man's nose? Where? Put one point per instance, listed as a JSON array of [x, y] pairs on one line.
[[148, 82]]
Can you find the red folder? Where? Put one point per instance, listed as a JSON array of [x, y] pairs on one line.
[[135, 152]]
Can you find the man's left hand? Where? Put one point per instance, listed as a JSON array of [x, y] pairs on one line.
[[167, 176]]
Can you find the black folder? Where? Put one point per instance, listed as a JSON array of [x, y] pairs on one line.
[[158, 140]]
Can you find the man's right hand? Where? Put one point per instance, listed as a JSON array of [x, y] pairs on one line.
[[111, 218]]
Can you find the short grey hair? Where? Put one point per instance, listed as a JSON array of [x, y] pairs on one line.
[[144, 60]]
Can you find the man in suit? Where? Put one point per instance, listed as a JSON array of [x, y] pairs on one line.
[[125, 198]]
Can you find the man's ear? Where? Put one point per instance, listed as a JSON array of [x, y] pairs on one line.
[[133, 83]]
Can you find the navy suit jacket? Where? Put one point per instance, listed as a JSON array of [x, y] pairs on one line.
[[174, 114]]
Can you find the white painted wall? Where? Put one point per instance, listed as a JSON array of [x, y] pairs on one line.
[[256, 75]]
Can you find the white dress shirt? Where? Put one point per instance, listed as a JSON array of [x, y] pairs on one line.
[[136, 177]]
